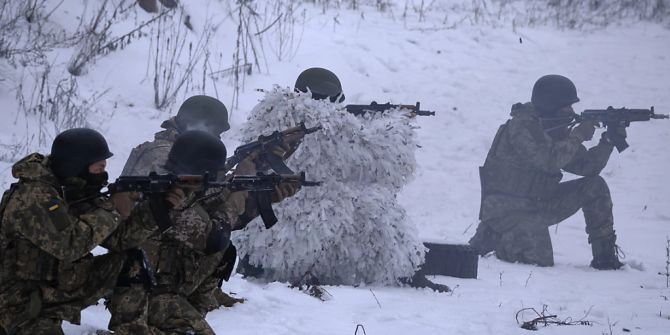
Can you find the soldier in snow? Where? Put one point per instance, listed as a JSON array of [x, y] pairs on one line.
[[351, 230], [51, 219], [208, 114], [521, 190], [188, 255]]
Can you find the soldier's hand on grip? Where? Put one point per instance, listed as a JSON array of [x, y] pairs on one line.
[[280, 150], [124, 202], [584, 131], [614, 134], [285, 190], [176, 197]]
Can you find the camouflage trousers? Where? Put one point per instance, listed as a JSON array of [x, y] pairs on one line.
[[39, 307], [129, 302], [524, 235], [172, 314], [208, 296]]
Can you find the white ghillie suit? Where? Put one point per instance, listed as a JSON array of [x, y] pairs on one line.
[[351, 229]]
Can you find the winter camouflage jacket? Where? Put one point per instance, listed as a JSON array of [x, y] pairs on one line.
[[524, 165], [182, 256], [151, 157], [45, 244]]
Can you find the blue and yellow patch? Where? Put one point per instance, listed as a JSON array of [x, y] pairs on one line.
[[53, 205]]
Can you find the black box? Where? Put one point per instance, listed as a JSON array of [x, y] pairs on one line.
[[455, 260]]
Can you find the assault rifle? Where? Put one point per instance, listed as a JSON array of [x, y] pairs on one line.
[[613, 118], [266, 160], [375, 107], [261, 186]]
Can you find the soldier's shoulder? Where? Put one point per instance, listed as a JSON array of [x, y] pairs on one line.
[[26, 197], [152, 145], [33, 189], [523, 115], [145, 155]]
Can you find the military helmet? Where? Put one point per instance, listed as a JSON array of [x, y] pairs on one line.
[[196, 152], [321, 82], [552, 92], [202, 112], [75, 149]]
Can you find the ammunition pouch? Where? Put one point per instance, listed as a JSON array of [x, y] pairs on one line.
[[21, 303], [225, 268], [24, 261], [74, 275], [218, 238], [506, 177]]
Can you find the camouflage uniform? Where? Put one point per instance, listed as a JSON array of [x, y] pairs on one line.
[[227, 208], [47, 272], [185, 268], [522, 194], [151, 156]]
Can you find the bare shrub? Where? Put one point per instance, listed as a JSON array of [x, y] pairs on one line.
[[94, 36], [26, 33], [174, 57], [48, 106]]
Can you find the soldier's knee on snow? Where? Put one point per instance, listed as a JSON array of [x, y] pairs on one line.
[[527, 243]]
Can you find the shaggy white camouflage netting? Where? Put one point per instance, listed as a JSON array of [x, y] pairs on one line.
[[350, 230]]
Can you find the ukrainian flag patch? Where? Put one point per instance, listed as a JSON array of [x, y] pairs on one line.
[[53, 205]]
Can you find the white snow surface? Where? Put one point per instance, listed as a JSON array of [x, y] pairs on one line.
[[471, 75]]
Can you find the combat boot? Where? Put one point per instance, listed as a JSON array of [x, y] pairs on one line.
[[419, 280], [605, 254], [224, 299]]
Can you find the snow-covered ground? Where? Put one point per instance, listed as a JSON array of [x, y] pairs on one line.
[[470, 75]]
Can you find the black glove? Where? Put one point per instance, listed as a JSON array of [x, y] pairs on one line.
[[159, 208], [614, 134], [218, 238]]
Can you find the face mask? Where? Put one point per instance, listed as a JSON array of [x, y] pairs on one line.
[[85, 185], [95, 180]]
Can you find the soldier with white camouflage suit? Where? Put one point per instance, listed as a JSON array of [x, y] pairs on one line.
[[50, 221], [521, 190]]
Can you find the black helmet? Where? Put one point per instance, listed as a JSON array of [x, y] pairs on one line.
[[321, 82], [196, 152], [552, 92], [201, 112], [75, 149]]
